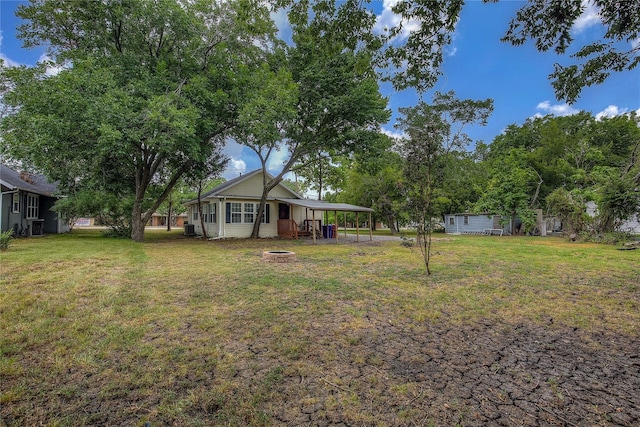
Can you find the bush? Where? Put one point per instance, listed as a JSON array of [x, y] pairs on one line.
[[612, 238], [5, 239], [118, 232]]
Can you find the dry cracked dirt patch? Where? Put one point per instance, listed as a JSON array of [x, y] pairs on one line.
[[481, 374]]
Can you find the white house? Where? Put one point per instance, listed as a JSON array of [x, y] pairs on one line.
[[228, 211]]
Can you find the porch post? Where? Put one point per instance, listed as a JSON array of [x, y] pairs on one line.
[[357, 227], [313, 225], [345, 224], [335, 216], [370, 228]]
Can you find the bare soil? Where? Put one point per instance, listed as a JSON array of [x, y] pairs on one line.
[[442, 375]]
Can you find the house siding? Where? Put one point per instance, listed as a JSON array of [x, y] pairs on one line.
[[477, 223], [252, 188], [632, 225], [222, 228], [18, 222]]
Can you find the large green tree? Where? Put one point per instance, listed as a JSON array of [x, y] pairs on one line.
[[331, 102], [147, 92], [378, 182], [588, 158]]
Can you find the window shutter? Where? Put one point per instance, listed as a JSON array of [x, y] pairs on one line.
[[266, 206], [228, 212]]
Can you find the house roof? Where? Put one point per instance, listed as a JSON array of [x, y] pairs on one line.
[[217, 191], [325, 206], [33, 183]]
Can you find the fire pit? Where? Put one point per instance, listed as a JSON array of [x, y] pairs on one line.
[[278, 256]]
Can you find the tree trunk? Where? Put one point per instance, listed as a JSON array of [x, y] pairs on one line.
[[255, 233], [169, 216], [137, 223], [204, 230], [392, 224]]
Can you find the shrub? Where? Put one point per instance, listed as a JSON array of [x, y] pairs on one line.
[[5, 239]]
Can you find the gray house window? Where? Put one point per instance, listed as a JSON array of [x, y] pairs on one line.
[[15, 205], [452, 220], [465, 220], [32, 206]]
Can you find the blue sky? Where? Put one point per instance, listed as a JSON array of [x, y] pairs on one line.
[[477, 66]]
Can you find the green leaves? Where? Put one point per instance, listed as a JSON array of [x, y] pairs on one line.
[[149, 92], [549, 23]]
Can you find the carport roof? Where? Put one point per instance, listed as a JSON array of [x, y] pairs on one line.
[[325, 206]]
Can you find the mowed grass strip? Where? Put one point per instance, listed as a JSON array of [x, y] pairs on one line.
[[193, 332]]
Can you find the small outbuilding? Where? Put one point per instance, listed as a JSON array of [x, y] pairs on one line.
[[472, 223]]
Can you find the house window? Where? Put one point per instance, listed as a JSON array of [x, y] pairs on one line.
[[212, 212], [452, 220], [15, 205], [32, 206], [195, 213], [264, 213], [236, 213], [465, 220], [205, 212], [244, 213], [248, 213]]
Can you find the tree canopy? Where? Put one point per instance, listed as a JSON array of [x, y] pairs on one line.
[[147, 92]]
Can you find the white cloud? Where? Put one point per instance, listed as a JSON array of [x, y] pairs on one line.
[[450, 51], [610, 111], [52, 69], [388, 20], [277, 159], [556, 110], [635, 44], [393, 134], [281, 19], [235, 167], [233, 151], [8, 62], [589, 18]]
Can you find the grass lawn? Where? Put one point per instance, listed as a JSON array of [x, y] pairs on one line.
[[178, 331]]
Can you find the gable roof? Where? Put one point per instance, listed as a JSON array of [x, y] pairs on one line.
[[217, 191], [34, 183]]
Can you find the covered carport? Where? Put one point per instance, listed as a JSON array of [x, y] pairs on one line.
[[319, 205]]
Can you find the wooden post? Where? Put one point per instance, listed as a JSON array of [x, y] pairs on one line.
[[313, 225], [345, 224], [335, 216], [370, 228], [357, 227]]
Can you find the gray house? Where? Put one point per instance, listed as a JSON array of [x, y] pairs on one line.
[[471, 223], [25, 204]]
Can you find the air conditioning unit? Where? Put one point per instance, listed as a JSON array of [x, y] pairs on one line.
[[189, 230]]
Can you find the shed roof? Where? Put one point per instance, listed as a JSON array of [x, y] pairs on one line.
[[325, 206]]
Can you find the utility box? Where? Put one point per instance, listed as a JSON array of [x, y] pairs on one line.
[[189, 230]]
